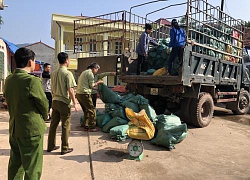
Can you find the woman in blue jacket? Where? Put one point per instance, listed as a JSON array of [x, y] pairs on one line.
[[177, 42]]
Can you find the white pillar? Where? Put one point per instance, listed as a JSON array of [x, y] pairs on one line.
[[105, 44]]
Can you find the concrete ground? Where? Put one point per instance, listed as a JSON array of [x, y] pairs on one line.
[[219, 151]]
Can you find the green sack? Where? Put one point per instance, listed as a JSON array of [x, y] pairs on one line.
[[139, 99], [114, 122], [108, 96], [98, 112], [127, 96], [167, 121], [119, 132], [169, 137], [131, 105], [152, 54], [149, 111], [151, 71], [115, 110], [102, 119]]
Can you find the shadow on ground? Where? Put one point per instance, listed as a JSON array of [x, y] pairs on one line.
[[101, 155]]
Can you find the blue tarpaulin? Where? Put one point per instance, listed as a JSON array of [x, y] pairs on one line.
[[12, 47]]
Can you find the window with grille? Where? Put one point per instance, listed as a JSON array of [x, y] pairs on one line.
[[78, 44], [118, 47], [92, 45]]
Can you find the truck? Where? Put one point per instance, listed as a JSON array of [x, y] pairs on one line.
[[213, 70]]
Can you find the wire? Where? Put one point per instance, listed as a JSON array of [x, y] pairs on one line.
[[227, 8]]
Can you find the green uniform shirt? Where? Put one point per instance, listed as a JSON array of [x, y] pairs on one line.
[[85, 82], [98, 77], [61, 81], [27, 104]]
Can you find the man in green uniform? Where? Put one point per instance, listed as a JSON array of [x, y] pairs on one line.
[[83, 94], [28, 108], [62, 89]]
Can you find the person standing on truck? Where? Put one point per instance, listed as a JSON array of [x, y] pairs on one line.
[[28, 108], [177, 42], [98, 77], [47, 85], [62, 88], [142, 49], [86, 82]]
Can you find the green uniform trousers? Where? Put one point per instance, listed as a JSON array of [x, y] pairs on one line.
[[60, 111], [88, 108], [26, 158]]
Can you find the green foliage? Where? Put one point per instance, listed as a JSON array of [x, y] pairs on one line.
[[247, 23], [183, 21]]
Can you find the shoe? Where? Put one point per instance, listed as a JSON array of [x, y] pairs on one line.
[[69, 150], [55, 148], [95, 129], [91, 129]]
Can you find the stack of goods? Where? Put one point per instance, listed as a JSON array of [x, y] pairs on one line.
[[131, 116], [220, 39], [158, 57]]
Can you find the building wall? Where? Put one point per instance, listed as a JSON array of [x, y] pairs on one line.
[[43, 53]]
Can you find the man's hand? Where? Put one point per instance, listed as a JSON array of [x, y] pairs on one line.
[[99, 82]]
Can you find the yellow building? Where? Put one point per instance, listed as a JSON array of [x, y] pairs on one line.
[[62, 31]]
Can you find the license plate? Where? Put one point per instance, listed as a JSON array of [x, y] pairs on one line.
[[154, 91]]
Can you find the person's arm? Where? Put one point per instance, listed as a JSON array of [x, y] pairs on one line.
[[37, 93], [71, 83], [144, 44], [92, 82], [153, 42], [102, 75], [72, 96], [171, 37]]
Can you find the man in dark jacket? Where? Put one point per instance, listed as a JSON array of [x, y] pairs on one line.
[[142, 49], [177, 42], [47, 85], [28, 107]]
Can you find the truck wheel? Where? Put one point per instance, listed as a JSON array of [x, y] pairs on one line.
[[242, 104], [201, 110], [184, 111]]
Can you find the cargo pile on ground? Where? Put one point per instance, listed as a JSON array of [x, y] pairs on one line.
[[131, 115]]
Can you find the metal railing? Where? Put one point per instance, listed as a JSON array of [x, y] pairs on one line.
[[214, 32]]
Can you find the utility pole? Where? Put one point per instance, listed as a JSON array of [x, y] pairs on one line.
[[222, 5], [221, 8]]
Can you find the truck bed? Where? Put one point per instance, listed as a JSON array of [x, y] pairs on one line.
[[150, 79]]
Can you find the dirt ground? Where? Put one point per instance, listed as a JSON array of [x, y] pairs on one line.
[[219, 151]]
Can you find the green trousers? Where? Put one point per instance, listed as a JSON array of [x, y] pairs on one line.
[[26, 158], [60, 112], [88, 108]]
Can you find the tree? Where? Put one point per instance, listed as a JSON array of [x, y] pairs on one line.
[[247, 23]]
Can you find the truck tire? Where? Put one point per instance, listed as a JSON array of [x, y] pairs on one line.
[[201, 110], [242, 104], [183, 113]]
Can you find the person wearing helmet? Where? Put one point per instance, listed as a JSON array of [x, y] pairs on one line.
[[177, 42], [142, 48]]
